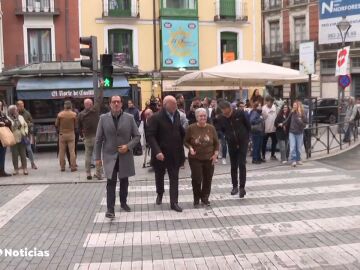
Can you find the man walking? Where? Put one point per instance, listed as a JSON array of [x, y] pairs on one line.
[[88, 121], [29, 121], [66, 123], [165, 135], [131, 109], [116, 136], [236, 127]]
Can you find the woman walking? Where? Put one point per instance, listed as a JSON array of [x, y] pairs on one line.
[[20, 131], [296, 123], [203, 144], [4, 122], [282, 133], [257, 132]]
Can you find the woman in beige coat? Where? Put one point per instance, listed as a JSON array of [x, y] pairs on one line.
[[20, 131]]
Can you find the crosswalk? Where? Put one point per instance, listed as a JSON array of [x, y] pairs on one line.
[[306, 218]]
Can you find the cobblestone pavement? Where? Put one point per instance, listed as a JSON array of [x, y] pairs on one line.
[[306, 217]]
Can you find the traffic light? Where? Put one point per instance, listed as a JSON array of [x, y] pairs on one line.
[[90, 52], [107, 70]]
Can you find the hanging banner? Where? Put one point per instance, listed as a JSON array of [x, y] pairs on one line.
[[331, 12], [342, 61], [180, 43], [307, 58]]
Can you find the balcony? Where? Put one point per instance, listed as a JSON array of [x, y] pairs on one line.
[[179, 8], [23, 59], [36, 7], [231, 10], [271, 5], [121, 8], [273, 50]]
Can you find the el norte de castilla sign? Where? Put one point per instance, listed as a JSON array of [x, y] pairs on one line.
[[331, 12]]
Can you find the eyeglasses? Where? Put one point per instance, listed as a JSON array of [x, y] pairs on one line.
[[115, 102]]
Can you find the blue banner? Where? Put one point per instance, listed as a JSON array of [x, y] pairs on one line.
[[180, 43], [338, 8]]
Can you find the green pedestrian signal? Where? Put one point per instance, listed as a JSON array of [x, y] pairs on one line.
[[108, 82]]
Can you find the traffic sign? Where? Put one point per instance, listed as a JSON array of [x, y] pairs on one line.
[[344, 81]]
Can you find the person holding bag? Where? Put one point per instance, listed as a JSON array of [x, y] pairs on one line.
[[19, 128], [282, 132], [4, 122]]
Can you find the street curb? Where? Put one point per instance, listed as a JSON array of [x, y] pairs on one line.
[[339, 152]]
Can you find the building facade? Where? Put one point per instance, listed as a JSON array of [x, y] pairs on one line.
[[286, 24], [168, 38]]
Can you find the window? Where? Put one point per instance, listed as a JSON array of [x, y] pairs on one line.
[[120, 7], [39, 45], [355, 62], [328, 66], [227, 9], [274, 36], [182, 4], [356, 86], [300, 31], [274, 4], [228, 46], [179, 8], [38, 5], [120, 45]]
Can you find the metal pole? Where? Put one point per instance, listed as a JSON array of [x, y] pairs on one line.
[[309, 135]]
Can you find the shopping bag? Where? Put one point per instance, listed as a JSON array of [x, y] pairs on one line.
[[7, 137]]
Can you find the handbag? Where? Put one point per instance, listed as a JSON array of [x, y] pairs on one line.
[[138, 151], [7, 137]]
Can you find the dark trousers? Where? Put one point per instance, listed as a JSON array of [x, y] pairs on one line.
[[2, 158], [238, 163], [202, 172], [257, 140], [111, 189], [222, 140], [173, 172], [273, 143]]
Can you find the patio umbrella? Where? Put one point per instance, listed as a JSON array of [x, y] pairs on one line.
[[242, 73]]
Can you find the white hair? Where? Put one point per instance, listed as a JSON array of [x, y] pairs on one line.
[[198, 111]]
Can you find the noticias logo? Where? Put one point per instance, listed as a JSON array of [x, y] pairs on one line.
[[24, 252]]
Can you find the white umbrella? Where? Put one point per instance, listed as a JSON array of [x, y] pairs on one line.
[[243, 73]]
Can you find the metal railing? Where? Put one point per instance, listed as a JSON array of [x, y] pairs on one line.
[[118, 9], [36, 6], [298, 2], [327, 138], [274, 49], [271, 4]]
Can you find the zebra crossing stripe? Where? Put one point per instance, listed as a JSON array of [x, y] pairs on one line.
[[250, 183], [169, 237], [254, 194], [307, 258], [226, 211], [15, 205]]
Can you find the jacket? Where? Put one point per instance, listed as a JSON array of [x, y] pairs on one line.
[[28, 118], [295, 123], [134, 112], [236, 128], [269, 115], [108, 138], [6, 121], [88, 119], [166, 137], [255, 119], [282, 133], [66, 122], [19, 128]]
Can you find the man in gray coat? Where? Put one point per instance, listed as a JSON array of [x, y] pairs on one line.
[[117, 135]]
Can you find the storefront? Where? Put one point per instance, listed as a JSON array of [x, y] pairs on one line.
[[44, 98]]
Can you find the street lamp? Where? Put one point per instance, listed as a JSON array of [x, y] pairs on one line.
[[343, 26]]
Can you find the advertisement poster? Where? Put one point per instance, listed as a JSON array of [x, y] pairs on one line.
[[306, 55], [180, 43], [331, 12]]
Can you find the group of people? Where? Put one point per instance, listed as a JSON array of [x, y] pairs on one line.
[[20, 122]]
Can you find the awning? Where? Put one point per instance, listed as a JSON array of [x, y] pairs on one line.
[[62, 87]]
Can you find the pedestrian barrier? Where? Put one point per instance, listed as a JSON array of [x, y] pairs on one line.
[[329, 138]]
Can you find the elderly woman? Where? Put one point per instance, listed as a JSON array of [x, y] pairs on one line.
[[202, 141], [20, 131]]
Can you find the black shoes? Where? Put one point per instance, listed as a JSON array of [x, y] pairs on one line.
[[206, 202], [4, 174], [110, 215], [256, 162], [89, 177], [176, 207], [196, 203], [159, 199], [125, 207], [273, 158], [242, 193], [234, 191]]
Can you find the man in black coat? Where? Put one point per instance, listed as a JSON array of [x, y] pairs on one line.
[[236, 127], [165, 135]]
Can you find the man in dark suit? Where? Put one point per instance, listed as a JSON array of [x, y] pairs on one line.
[[165, 135]]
